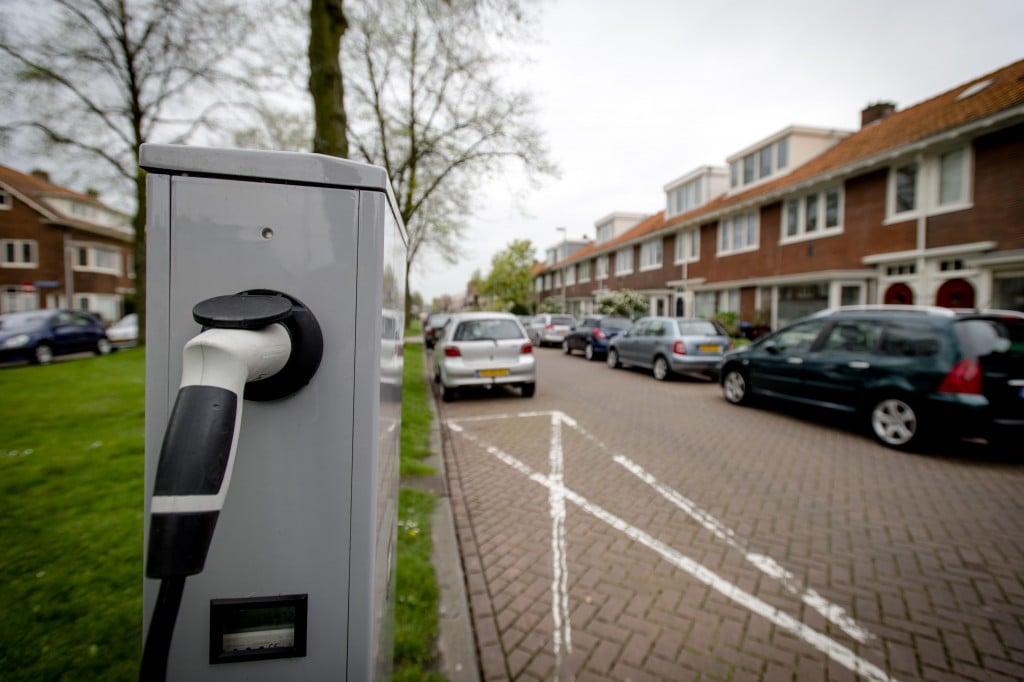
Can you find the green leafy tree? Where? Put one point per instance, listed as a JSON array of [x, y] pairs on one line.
[[509, 282]]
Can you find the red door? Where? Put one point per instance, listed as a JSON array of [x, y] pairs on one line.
[[898, 294], [956, 293]]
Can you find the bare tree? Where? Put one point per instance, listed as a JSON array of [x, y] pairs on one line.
[[94, 79], [426, 102], [326, 85]]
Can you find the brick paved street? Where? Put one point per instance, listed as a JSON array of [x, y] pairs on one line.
[[615, 527]]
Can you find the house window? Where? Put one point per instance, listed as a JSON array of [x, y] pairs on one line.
[[811, 213], [952, 177], [98, 259], [538, 284], [687, 246], [906, 188], [832, 210], [584, 271], [602, 267], [765, 158], [624, 261], [19, 253], [604, 233], [949, 265], [748, 169], [738, 233], [651, 254], [570, 275], [734, 173], [904, 269], [814, 214], [5, 201], [782, 153]]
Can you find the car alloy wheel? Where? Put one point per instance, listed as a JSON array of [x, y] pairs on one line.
[[588, 352], [660, 369], [103, 346], [894, 422], [734, 386], [43, 354], [613, 359]]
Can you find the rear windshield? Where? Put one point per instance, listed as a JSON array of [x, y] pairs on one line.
[[14, 321], [487, 330], [562, 319], [698, 328], [992, 336], [613, 323]]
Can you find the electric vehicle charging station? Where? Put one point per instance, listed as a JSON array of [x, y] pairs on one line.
[[275, 293]]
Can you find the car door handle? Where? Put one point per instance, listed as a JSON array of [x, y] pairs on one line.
[[858, 364], [795, 361]]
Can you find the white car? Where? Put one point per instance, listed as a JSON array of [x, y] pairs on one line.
[[484, 349], [125, 332], [550, 329]]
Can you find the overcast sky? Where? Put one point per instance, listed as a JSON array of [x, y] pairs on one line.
[[632, 95]]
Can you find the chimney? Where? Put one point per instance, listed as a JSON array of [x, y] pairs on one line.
[[40, 174], [92, 192], [876, 112]]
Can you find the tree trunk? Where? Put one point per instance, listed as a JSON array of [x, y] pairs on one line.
[[327, 25]]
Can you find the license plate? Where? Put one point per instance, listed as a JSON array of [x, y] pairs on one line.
[[492, 373], [710, 349]]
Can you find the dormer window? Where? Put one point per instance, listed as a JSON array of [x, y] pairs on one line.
[[5, 201], [760, 164], [605, 232]]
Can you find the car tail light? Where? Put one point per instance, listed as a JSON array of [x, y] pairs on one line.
[[452, 352], [549, 326], [526, 349], [965, 377], [679, 348], [598, 334]]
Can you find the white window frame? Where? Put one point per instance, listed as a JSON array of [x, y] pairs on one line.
[[538, 284], [822, 229], [19, 245], [687, 246], [570, 275], [584, 272], [727, 228], [604, 233], [602, 267], [92, 252], [6, 200], [928, 185], [624, 261], [652, 254]]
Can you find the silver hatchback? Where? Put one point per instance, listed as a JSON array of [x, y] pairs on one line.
[[671, 345], [484, 349]]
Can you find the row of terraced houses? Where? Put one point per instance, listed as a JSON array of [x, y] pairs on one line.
[[919, 206]]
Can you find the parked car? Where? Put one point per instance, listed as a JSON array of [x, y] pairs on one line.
[[593, 334], [38, 336], [432, 328], [125, 332], [547, 329], [908, 372], [671, 345], [484, 349]]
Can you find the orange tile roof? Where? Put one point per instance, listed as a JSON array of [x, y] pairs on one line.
[[942, 113]]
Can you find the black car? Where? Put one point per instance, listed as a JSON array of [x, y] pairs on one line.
[[37, 336], [433, 327], [909, 372], [593, 334]]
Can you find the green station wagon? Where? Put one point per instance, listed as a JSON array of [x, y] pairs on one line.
[[910, 372]]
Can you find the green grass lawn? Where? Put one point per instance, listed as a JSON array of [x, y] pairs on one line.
[[71, 471]]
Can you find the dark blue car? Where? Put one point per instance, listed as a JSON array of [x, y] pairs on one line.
[[593, 334], [37, 336]]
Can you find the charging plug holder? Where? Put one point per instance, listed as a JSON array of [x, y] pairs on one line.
[[259, 308]]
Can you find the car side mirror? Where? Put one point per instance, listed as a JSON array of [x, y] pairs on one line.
[[770, 347]]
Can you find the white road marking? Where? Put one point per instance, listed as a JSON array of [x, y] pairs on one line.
[[558, 493]]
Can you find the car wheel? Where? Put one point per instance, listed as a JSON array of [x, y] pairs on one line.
[[565, 347], [43, 355], [529, 389], [447, 394], [660, 369], [588, 352], [895, 422], [734, 386], [613, 359], [103, 346]]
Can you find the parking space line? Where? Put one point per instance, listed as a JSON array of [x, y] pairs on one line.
[[559, 493]]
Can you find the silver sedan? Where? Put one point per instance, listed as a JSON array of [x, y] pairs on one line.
[[484, 349]]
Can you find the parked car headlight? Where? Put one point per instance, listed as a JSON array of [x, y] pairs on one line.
[[17, 341]]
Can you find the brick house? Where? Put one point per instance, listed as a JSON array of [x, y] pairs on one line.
[[61, 249], [923, 205]]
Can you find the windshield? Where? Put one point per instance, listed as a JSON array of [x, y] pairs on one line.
[[616, 323], [17, 321], [698, 328], [487, 330]]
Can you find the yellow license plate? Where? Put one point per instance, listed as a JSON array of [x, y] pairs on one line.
[[710, 349], [493, 373]]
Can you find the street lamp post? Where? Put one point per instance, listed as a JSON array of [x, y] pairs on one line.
[[563, 256]]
